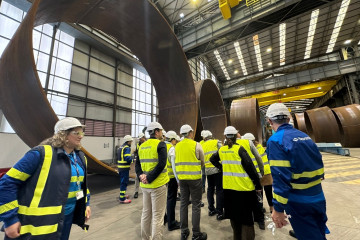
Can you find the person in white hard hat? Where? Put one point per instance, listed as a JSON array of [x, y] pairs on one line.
[[142, 139], [189, 161], [51, 176], [214, 177], [173, 182], [240, 183], [124, 161], [152, 171], [203, 178], [266, 180], [297, 170]]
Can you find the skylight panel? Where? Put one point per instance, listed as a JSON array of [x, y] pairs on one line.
[[240, 57], [221, 63], [282, 30], [311, 33], [257, 52], [339, 21]]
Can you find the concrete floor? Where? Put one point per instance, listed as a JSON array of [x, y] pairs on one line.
[[111, 220]]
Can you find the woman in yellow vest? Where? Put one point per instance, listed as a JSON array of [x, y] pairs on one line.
[[240, 179], [266, 180], [45, 192]]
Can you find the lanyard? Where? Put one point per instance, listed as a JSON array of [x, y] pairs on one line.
[[73, 161]]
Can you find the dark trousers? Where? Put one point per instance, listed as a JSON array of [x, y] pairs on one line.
[[215, 182], [67, 226], [308, 220], [191, 188], [171, 201], [124, 180], [268, 194], [203, 177], [258, 211], [241, 231]]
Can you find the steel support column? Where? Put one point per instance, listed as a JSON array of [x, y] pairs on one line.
[[354, 91]]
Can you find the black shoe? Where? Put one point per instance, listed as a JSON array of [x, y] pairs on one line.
[[202, 204], [212, 213], [177, 199], [220, 217], [292, 233], [201, 236], [261, 225], [165, 219], [264, 210], [174, 226], [185, 235], [136, 195]]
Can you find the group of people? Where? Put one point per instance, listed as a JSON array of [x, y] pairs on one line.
[[46, 191]]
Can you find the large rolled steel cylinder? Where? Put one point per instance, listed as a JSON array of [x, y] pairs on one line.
[[212, 115], [135, 23], [322, 126], [348, 118], [299, 122], [245, 116]]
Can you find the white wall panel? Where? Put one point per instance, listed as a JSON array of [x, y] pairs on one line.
[[80, 59], [100, 96], [124, 102], [99, 112], [123, 116], [82, 46], [76, 108], [12, 149], [99, 55], [78, 89], [102, 68], [125, 91], [101, 82], [79, 75], [100, 147]]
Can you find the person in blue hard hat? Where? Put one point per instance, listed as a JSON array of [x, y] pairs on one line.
[[297, 170]]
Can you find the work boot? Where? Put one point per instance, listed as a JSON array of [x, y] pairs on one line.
[[136, 195], [201, 236], [212, 213], [202, 204], [174, 226], [185, 234], [125, 201], [292, 233], [220, 217], [261, 225]]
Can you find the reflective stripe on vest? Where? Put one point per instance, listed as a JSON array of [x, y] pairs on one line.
[[122, 163], [264, 158], [149, 158], [209, 147], [234, 175], [168, 163], [245, 144], [188, 167]]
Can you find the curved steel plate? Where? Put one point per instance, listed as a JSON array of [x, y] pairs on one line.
[[245, 116], [135, 23], [299, 122], [211, 108], [349, 121], [321, 125]]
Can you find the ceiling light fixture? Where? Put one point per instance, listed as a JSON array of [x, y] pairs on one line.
[[270, 63], [236, 72], [221, 63], [282, 29], [230, 61], [182, 15], [339, 21], [311, 33], [240, 57], [347, 41], [268, 49], [284, 94], [257, 52], [319, 88]]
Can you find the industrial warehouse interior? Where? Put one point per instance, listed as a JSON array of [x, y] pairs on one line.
[[119, 66]]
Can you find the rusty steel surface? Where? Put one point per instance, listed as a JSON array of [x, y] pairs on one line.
[[299, 122], [135, 23], [322, 126], [245, 116], [348, 118], [211, 108]]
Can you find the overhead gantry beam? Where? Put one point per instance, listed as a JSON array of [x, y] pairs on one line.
[[321, 73]]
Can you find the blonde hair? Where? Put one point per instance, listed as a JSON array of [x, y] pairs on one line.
[[58, 140]]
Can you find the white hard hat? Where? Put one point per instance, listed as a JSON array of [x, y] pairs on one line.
[[164, 132], [207, 134], [128, 138], [230, 130], [178, 138], [202, 133], [154, 125], [248, 136], [277, 109], [171, 135], [141, 135], [185, 129], [66, 124]]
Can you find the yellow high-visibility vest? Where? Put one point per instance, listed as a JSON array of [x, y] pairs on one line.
[[169, 168], [234, 175], [187, 166], [209, 147], [245, 144], [149, 158], [264, 158]]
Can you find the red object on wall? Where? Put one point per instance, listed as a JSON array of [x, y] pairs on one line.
[[3, 171]]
